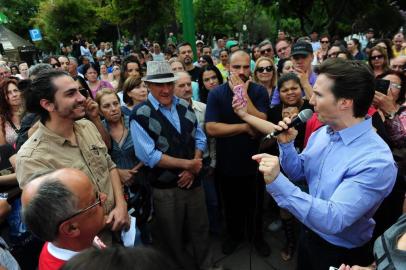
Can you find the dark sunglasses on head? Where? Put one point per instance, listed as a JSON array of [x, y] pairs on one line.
[[377, 57], [266, 51], [262, 69]]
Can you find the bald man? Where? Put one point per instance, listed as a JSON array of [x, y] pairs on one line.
[[397, 49], [236, 141], [62, 208]]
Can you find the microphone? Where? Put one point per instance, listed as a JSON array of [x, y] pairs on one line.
[[301, 118]]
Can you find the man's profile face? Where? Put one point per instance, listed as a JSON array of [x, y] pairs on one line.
[[240, 65], [323, 100], [69, 103], [186, 54], [163, 92]]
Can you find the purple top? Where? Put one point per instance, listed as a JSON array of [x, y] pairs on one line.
[[103, 84]]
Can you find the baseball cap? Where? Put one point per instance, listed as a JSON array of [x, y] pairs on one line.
[[302, 48]]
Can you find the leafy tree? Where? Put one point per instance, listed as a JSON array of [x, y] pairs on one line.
[[61, 20], [19, 13]]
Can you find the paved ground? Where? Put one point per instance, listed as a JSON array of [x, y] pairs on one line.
[[240, 259]]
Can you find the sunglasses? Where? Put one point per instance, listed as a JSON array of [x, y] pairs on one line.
[[266, 51], [324, 41], [98, 202], [377, 57], [262, 69]]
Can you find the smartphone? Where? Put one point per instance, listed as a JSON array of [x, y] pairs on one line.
[[84, 92], [239, 92], [382, 86]]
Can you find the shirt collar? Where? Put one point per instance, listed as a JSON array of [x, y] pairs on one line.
[[60, 253], [349, 134], [50, 134], [196, 106], [155, 103]]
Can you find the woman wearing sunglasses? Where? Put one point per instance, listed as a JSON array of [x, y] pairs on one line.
[[378, 61], [264, 74]]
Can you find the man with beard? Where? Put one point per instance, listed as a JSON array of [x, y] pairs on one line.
[[63, 139], [236, 141], [185, 55]]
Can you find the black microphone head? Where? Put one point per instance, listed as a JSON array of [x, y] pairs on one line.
[[305, 115]]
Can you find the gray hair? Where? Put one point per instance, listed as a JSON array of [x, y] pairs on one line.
[[73, 59], [52, 204], [264, 42], [5, 67], [34, 70]]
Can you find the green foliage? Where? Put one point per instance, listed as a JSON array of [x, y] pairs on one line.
[[19, 12], [61, 20]]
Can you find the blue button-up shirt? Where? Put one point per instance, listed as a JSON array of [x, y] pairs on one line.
[[143, 143], [349, 173]]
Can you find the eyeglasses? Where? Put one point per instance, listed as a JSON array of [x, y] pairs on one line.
[[324, 41], [266, 51], [377, 57], [282, 49], [262, 69], [395, 85], [98, 202]]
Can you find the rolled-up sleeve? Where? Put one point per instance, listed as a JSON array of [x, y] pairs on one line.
[[144, 146], [201, 140]]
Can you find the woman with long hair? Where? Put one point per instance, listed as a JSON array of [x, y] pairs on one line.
[[209, 77], [378, 61], [265, 75], [134, 92], [11, 108]]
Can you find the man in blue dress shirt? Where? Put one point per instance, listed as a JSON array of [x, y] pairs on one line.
[[348, 167], [168, 140]]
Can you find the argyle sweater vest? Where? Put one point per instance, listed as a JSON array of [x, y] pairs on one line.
[[167, 139]]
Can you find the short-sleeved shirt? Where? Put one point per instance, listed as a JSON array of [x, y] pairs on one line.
[[47, 150], [234, 152]]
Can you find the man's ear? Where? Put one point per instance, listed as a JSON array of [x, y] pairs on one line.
[[69, 229], [345, 104], [47, 105]]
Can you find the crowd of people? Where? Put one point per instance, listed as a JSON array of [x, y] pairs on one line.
[[138, 157]]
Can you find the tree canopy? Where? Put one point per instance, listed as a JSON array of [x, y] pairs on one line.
[[60, 20]]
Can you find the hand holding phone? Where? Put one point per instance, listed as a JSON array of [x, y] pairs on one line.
[[382, 86]]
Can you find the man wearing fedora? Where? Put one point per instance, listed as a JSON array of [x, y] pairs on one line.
[[168, 140]]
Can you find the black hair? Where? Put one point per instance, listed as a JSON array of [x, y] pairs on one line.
[[356, 42], [182, 44], [42, 87], [289, 77], [203, 92], [352, 80], [208, 59], [126, 61], [280, 65], [84, 84], [91, 65]]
